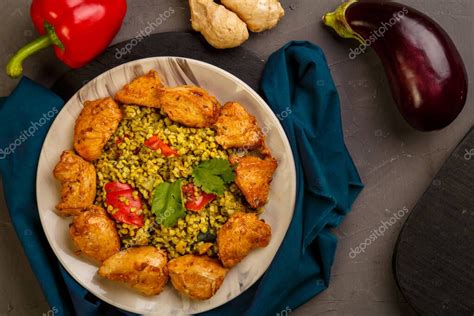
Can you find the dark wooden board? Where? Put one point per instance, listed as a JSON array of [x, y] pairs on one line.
[[239, 61], [434, 256]]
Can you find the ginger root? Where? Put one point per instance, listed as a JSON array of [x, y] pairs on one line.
[[260, 15], [219, 26]]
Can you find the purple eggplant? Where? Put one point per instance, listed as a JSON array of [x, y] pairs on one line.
[[427, 76]]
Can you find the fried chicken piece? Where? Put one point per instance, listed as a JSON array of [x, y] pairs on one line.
[[253, 176], [236, 128], [97, 122], [242, 233], [78, 180], [198, 277], [190, 106], [143, 268], [94, 234], [143, 90]]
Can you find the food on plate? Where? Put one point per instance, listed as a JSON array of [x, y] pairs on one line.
[[196, 202], [144, 90], [94, 126], [126, 159], [64, 25], [198, 277], [143, 268], [427, 75], [191, 106], [236, 128], [220, 27], [155, 143], [213, 175], [259, 15], [204, 248], [124, 203], [167, 203], [253, 176], [94, 234], [242, 233], [170, 186], [78, 183]]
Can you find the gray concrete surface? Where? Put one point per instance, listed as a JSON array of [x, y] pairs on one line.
[[395, 162]]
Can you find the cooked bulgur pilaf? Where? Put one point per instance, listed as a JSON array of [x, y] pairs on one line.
[[125, 159]]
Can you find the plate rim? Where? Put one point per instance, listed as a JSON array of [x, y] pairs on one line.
[[255, 95]]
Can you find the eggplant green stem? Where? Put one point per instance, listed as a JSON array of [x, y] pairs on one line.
[[14, 67], [337, 20]]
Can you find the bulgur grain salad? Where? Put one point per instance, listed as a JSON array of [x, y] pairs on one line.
[[125, 159], [172, 178]]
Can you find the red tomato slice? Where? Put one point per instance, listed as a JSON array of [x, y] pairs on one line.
[[123, 216], [117, 186], [120, 197], [188, 190], [193, 203], [155, 143]]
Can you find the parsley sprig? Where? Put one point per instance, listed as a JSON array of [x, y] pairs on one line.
[[213, 175]]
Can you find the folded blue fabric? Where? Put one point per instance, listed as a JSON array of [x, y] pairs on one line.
[[298, 86], [21, 138], [297, 82]]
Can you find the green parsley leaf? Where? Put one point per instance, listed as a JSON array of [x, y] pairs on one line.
[[167, 203], [209, 183], [213, 175]]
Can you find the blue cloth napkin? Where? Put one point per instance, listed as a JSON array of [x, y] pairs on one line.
[[298, 86]]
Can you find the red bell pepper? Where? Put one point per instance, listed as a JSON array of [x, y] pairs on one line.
[[155, 143], [120, 197], [79, 30], [194, 203]]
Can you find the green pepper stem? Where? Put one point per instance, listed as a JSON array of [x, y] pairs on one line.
[[337, 20], [15, 65]]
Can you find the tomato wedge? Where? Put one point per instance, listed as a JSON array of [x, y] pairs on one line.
[[155, 143], [120, 197], [112, 187], [194, 203]]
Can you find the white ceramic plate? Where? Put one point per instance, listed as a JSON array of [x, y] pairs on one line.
[[174, 71]]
